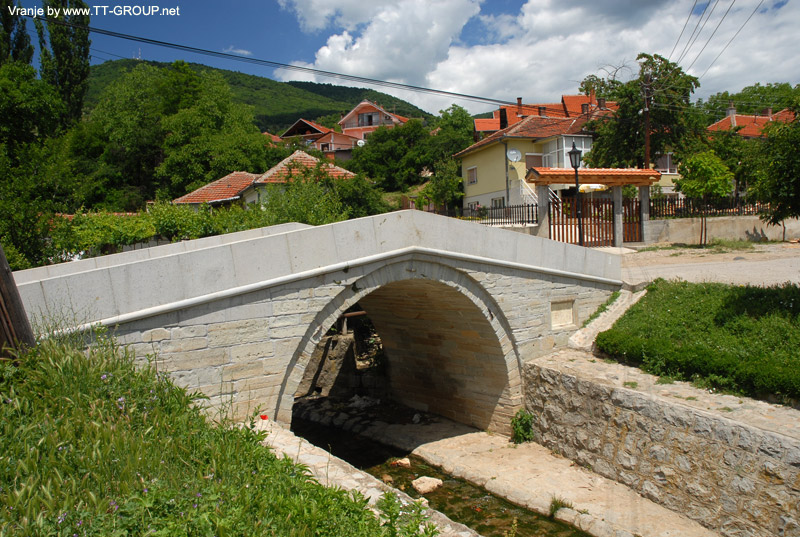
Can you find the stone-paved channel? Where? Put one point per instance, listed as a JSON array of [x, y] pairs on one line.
[[528, 475]]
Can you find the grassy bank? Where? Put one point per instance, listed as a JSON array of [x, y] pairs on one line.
[[91, 446], [740, 339]]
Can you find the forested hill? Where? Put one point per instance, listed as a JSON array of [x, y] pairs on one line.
[[277, 104]]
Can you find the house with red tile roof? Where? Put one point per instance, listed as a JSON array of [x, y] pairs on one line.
[[571, 106], [750, 126], [248, 188], [494, 168], [366, 117]]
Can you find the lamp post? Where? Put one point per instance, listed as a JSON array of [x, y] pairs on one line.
[[575, 161]]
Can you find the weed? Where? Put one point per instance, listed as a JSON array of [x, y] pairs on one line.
[[726, 409], [512, 531], [557, 503], [522, 426], [666, 379], [93, 446], [631, 384], [602, 308], [691, 398]]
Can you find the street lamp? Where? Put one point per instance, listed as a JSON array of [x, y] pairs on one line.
[[575, 161]]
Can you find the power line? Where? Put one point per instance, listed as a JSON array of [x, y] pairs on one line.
[[689, 41], [731, 40], [682, 30], [712, 35], [279, 65]]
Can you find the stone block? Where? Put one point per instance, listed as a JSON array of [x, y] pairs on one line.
[[183, 332], [156, 334], [237, 332], [171, 346], [184, 361], [251, 352]]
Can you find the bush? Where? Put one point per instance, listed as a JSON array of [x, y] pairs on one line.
[[522, 426], [736, 338]]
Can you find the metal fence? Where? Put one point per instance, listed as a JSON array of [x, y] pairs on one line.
[[686, 207], [513, 215]]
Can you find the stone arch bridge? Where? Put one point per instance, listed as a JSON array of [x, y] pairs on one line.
[[458, 307]]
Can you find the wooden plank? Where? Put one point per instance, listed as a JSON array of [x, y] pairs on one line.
[[15, 331]]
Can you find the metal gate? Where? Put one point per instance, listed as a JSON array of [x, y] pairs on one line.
[[598, 221]]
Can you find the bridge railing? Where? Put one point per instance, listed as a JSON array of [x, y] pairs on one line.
[[513, 215]]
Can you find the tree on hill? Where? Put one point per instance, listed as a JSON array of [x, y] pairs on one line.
[[15, 43], [64, 55], [666, 89]]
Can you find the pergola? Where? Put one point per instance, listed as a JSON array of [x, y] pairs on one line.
[[614, 178], [600, 176]]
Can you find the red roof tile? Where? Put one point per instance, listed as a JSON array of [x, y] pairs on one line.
[[570, 106], [750, 126], [275, 138], [229, 187], [296, 162], [534, 128]]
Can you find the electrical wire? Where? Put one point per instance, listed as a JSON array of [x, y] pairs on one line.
[[682, 30], [279, 65], [731, 40], [712, 35]]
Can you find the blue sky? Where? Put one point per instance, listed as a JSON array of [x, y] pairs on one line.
[[502, 49]]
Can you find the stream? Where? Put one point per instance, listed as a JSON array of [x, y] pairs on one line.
[[463, 502]]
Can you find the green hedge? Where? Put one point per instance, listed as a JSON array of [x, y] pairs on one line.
[[742, 339]]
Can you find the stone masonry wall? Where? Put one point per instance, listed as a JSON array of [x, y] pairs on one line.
[[734, 478], [250, 351]]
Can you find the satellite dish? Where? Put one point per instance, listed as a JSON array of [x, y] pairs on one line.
[[361, 143], [514, 155]]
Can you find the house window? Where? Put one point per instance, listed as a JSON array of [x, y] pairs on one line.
[[666, 164], [472, 175], [498, 203], [369, 119], [472, 205], [533, 161]]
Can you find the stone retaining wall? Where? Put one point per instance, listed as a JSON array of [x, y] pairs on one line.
[[733, 478]]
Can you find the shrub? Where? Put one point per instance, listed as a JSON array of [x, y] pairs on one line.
[[522, 427], [740, 339]]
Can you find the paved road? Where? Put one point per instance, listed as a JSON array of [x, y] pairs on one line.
[[768, 265]]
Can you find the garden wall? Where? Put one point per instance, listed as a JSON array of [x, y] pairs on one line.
[[687, 230], [736, 479]]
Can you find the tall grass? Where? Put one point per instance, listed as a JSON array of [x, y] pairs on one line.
[[741, 339], [89, 445]]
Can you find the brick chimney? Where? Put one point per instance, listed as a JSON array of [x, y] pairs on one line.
[[585, 108], [601, 103], [503, 118], [543, 111], [519, 106], [768, 112], [731, 113]]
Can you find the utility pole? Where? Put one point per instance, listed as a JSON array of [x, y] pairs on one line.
[[646, 89]]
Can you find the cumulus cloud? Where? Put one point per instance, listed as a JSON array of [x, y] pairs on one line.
[[546, 48], [240, 51]]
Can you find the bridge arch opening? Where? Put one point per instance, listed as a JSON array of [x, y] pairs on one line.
[[448, 349]]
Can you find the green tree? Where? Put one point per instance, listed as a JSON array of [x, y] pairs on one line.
[[29, 107], [304, 199], [619, 139], [395, 157], [778, 177], [704, 176], [751, 100], [64, 54], [444, 188], [208, 140], [15, 43]]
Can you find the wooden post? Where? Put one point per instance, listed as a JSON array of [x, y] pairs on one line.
[[15, 330]]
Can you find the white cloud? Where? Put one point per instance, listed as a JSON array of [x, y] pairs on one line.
[[547, 48], [233, 50]]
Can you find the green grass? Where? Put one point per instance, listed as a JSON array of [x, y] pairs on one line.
[[557, 503], [91, 446], [738, 339], [603, 307], [717, 246]]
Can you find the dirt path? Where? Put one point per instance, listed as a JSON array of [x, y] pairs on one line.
[[764, 264]]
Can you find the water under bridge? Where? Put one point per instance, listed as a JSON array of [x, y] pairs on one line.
[[458, 307]]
